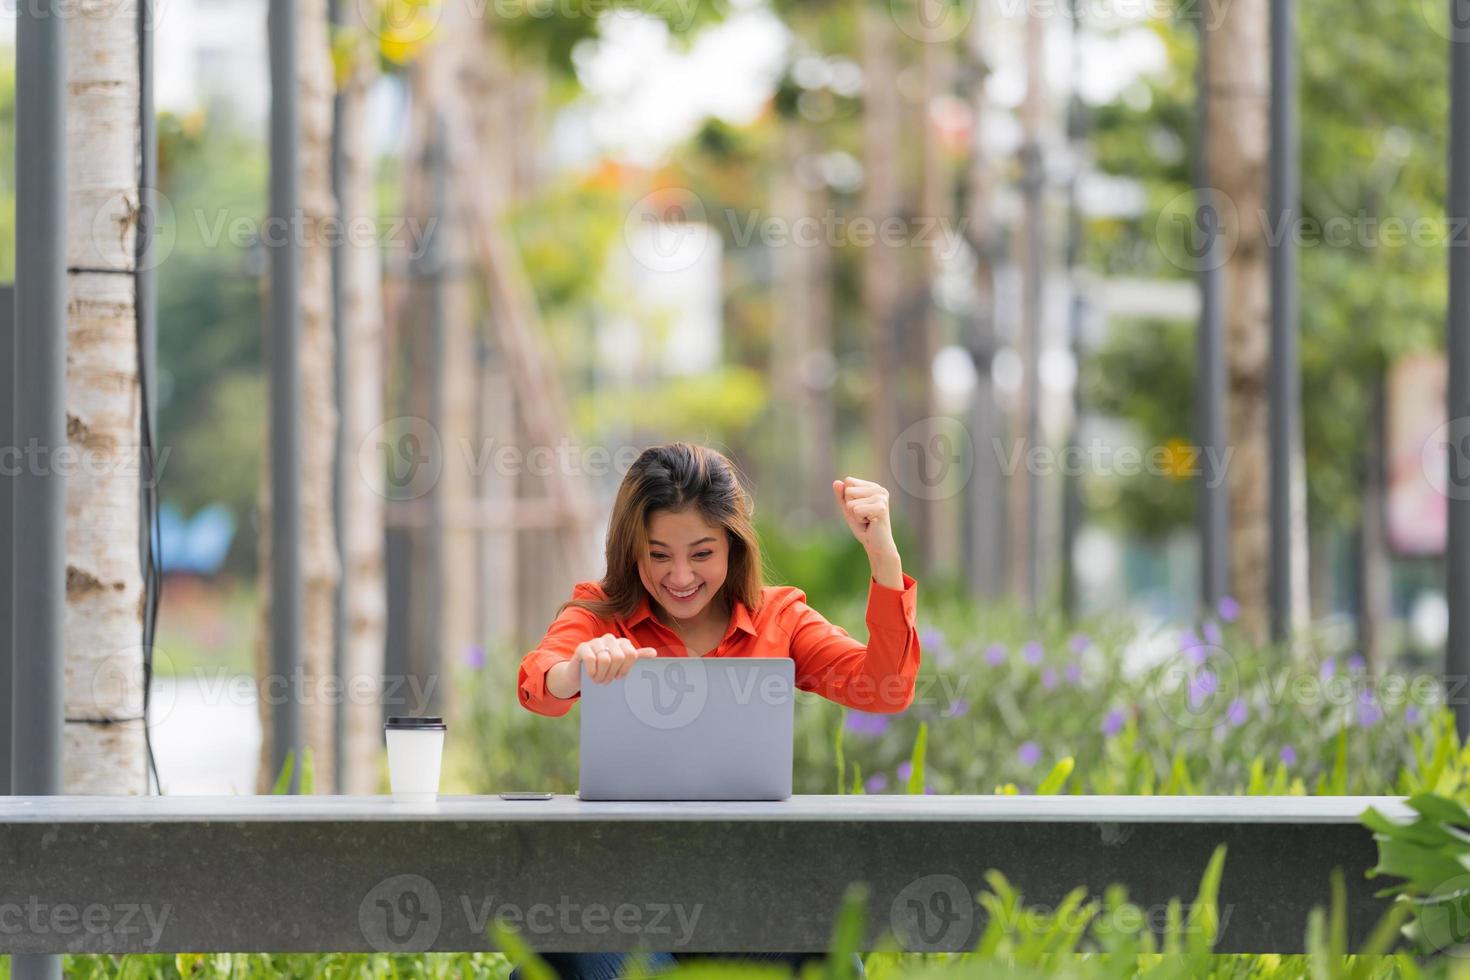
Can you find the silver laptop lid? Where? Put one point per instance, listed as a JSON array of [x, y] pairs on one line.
[[690, 728]]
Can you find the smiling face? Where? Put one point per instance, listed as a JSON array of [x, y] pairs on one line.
[[685, 565]]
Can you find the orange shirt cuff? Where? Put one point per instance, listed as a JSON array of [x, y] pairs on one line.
[[531, 686], [893, 609]]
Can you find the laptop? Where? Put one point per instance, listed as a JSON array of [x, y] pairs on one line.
[[690, 728]]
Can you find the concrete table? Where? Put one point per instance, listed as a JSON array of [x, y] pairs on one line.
[[338, 873]]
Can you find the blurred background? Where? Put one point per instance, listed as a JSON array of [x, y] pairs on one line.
[[952, 247]]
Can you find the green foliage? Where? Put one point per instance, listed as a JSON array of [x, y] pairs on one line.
[[282, 786], [218, 455], [1431, 854], [1145, 374], [211, 393], [1373, 148], [559, 263], [706, 408], [551, 31]]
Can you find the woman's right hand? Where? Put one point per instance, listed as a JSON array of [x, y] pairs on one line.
[[607, 657]]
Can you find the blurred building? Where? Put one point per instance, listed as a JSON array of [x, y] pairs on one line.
[[212, 52]]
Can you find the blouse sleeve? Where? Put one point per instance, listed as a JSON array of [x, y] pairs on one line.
[[878, 677], [574, 626]]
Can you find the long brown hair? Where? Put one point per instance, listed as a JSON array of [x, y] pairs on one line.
[[672, 478]]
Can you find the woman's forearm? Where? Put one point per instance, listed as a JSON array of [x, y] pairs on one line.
[[887, 567], [564, 680]]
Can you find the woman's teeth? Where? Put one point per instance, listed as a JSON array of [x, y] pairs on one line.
[[683, 595]]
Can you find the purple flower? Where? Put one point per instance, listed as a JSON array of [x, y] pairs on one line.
[[1228, 609], [905, 770], [1288, 755], [1212, 633], [866, 723], [959, 707], [995, 654], [1201, 685], [1190, 644], [1369, 713], [474, 656], [1080, 642], [1112, 723], [928, 790], [1356, 663], [876, 784], [1048, 678], [1029, 753], [1073, 673], [932, 642], [1236, 714], [1411, 715], [1328, 668], [1032, 652]]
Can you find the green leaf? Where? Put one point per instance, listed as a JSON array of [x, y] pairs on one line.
[[837, 746], [532, 967], [847, 932], [1204, 914], [916, 774], [283, 781], [1057, 778]]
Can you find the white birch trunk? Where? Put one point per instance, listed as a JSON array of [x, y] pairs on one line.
[[365, 603], [103, 746], [314, 691]]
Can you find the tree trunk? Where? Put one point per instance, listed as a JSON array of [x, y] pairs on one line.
[[1238, 97], [1025, 497], [1374, 598], [984, 503], [365, 602], [938, 518], [801, 348], [881, 200], [314, 689], [501, 555], [103, 738]]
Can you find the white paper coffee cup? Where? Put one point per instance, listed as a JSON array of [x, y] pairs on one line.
[[415, 749]]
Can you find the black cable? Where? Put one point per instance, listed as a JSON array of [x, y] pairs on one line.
[[151, 540], [152, 552]]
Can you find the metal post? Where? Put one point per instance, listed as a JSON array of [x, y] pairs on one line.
[[1284, 379], [430, 661], [40, 413], [1077, 315], [40, 353], [1457, 546], [1033, 185], [339, 446], [7, 528], [285, 388], [1213, 516], [397, 566]]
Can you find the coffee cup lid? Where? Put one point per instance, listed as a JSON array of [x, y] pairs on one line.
[[410, 723]]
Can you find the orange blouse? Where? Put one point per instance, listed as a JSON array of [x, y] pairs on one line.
[[878, 677]]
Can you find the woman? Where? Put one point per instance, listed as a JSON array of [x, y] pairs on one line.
[[684, 579]]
